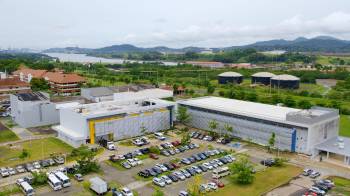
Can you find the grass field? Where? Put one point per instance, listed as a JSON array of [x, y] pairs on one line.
[[342, 186], [264, 181], [344, 125], [38, 149], [7, 136]]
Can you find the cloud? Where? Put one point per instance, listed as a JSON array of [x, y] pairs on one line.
[[221, 34]]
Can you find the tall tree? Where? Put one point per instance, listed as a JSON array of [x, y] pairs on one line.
[[182, 115], [242, 171], [272, 141]]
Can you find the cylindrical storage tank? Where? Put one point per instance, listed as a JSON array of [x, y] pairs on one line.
[[285, 81], [262, 78], [230, 77]]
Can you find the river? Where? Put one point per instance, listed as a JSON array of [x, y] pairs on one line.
[[83, 58]]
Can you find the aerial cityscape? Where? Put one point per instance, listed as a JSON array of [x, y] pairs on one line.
[[175, 98]]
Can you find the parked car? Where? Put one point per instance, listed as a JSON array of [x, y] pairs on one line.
[[126, 165], [59, 160], [196, 169], [201, 167], [126, 191], [138, 161], [29, 179], [138, 142], [44, 163], [219, 183], [175, 165], [185, 173], [191, 171], [29, 167], [144, 173], [151, 172], [116, 192], [208, 165], [128, 155], [204, 188], [173, 177], [172, 152], [11, 171], [20, 169], [159, 136], [157, 170], [4, 172], [183, 193], [166, 179], [169, 166], [186, 161], [131, 162], [165, 153], [176, 143], [315, 174], [153, 156], [162, 167], [36, 165], [145, 150], [78, 177], [179, 175], [159, 182], [212, 186], [268, 162], [309, 193], [307, 172], [317, 190]]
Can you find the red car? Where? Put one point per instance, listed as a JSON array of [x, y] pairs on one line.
[[153, 156], [175, 143], [310, 193], [175, 165], [219, 183]]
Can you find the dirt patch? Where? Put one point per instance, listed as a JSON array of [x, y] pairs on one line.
[[326, 82], [42, 131]]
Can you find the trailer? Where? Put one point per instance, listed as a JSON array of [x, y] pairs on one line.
[[98, 185]]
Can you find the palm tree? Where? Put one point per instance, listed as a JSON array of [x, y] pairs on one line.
[[212, 125], [228, 128]]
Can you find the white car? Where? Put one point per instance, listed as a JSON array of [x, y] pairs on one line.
[[218, 162], [195, 168], [159, 182], [4, 172], [11, 171], [162, 167], [126, 191], [179, 175], [214, 164], [138, 161], [208, 165], [317, 190], [166, 179], [131, 162], [212, 186], [159, 136], [36, 165]]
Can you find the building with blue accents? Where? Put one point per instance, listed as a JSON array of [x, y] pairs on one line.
[[296, 130]]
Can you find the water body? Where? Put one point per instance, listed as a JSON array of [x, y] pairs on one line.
[[83, 58]]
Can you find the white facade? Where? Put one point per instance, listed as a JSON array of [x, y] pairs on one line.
[[296, 130], [113, 120]]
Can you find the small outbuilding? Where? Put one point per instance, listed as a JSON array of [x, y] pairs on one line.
[[230, 77], [285, 81], [262, 78]]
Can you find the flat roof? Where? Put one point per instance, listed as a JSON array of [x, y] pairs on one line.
[[34, 96], [108, 108], [245, 108], [338, 145]]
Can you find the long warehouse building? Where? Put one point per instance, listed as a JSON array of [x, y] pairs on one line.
[[296, 130], [113, 120]]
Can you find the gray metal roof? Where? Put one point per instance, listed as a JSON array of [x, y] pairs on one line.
[[230, 74], [264, 74], [333, 145], [285, 77], [109, 91]]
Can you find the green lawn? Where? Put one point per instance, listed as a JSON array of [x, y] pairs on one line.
[[7, 136], [38, 149], [264, 181], [344, 125], [342, 186]]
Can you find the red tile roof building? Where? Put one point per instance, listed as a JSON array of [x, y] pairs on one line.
[[13, 85], [60, 83]]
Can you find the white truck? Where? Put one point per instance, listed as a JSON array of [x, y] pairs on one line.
[[98, 185], [107, 144]]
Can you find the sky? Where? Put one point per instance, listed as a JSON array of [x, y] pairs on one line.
[[41, 24]]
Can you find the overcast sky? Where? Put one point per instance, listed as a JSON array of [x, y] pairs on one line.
[[176, 23]]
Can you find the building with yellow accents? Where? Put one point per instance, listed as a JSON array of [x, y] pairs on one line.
[[113, 120]]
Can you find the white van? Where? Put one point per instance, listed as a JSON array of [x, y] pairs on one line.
[[63, 178], [54, 182], [25, 187]]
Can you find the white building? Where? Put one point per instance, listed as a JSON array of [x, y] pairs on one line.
[[296, 130], [114, 120]]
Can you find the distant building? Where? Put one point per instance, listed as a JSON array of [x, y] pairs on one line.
[[13, 85], [241, 65], [64, 84], [210, 64], [285, 81], [262, 78], [230, 78], [60, 83], [98, 94]]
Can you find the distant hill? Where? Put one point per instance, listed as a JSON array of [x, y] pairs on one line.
[[301, 44]]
